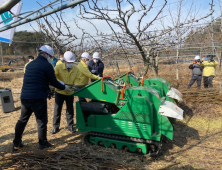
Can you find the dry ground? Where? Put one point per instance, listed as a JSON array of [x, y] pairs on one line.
[[196, 145]]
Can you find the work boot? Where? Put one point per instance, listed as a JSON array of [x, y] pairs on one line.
[[55, 130], [18, 147], [45, 145], [72, 129]]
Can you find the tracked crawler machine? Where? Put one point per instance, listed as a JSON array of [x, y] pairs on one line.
[[124, 117]]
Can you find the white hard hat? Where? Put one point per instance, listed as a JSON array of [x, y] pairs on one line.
[[96, 55], [50, 51], [47, 49], [197, 57], [69, 56], [85, 55]]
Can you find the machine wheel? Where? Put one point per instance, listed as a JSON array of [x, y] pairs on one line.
[[113, 146], [101, 144], [87, 141], [125, 148], [154, 150], [138, 150]]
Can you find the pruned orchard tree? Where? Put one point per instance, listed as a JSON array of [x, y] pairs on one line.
[[137, 32], [61, 36], [56, 31], [181, 23], [132, 33]]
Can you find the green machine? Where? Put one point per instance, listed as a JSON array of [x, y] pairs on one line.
[[120, 116], [162, 86]]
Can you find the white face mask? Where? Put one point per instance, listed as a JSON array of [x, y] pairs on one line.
[[61, 59], [31, 60], [95, 60], [49, 59], [69, 65], [87, 62]]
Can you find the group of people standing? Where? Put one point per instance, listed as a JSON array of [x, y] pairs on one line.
[[205, 68], [62, 74]]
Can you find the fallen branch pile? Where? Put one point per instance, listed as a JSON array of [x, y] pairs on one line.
[[62, 160], [207, 96]]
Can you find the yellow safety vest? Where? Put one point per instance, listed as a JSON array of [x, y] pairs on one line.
[[209, 68], [69, 78], [85, 74]]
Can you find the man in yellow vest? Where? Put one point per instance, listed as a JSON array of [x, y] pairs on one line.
[[67, 73], [209, 65], [61, 60], [85, 74]]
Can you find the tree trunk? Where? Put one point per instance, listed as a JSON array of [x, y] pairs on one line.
[[129, 65], [117, 67], [177, 65], [156, 64], [146, 67]]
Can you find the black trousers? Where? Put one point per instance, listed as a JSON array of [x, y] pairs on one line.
[[193, 79], [208, 81], [59, 100], [28, 106]]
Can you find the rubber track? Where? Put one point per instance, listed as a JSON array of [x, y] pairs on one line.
[[130, 139], [124, 138]]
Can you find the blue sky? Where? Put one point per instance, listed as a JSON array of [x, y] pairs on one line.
[[31, 4], [201, 5]]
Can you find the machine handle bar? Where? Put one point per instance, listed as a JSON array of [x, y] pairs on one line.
[[102, 81], [143, 79], [131, 71]]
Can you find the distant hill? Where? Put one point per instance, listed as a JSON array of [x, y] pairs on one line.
[[201, 36], [24, 43]]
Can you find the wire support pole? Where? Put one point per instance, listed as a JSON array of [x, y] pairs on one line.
[[1, 53], [211, 29]]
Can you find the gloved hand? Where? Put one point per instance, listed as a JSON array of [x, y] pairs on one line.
[[68, 88], [62, 82], [93, 71]]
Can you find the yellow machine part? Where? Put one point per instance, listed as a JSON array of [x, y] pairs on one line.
[[5, 67]]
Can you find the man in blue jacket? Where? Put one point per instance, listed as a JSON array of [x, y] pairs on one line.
[[96, 66], [39, 73], [54, 61]]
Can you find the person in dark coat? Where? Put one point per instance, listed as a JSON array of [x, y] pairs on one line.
[[39, 73], [96, 66], [197, 71]]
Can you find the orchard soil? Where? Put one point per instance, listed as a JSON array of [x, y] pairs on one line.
[[196, 145]]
